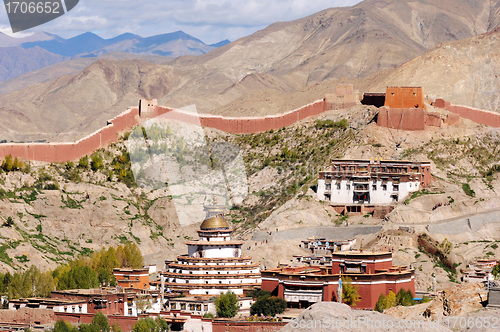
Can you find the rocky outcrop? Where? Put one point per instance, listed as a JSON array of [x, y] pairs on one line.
[[452, 302], [332, 316]]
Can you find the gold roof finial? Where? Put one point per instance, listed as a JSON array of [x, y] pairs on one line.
[[361, 246]]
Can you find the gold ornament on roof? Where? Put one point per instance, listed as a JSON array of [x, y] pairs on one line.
[[217, 222]]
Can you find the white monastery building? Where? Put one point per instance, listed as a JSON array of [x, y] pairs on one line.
[[352, 183], [214, 263]]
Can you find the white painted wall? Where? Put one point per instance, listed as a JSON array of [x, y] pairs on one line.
[[377, 195]]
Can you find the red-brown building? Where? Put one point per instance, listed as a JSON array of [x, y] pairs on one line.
[[404, 97], [132, 278], [109, 302], [372, 272]]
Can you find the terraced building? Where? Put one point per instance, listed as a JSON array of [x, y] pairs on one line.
[[214, 263]]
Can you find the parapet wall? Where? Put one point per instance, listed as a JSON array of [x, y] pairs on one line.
[[488, 118], [344, 97], [62, 152], [244, 125]]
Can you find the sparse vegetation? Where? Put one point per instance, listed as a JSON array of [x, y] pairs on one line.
[[431, 248], [468, 190]]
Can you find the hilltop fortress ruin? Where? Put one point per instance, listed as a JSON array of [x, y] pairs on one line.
[[403, 109], [344, 97]]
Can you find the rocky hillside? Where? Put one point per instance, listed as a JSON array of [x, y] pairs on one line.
[[465, 72], [47, 203]]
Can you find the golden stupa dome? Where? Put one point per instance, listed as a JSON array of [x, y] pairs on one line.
[[215, 222]]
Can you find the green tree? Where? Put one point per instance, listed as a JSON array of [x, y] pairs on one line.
[[87, 328], [100, 322], [391, 300], [142, 302], [83, 162], [8, 163], [116, 328], [381, 303], [129, 255], [96, 162], [268, 306], [405, 298], [496, 270], [141, 326], [149, 324], [9, 222], [62, 326], [76, 277], [162, 324], [227, 305], [104, 261], [256, 293], [17, 164], [350, 293]]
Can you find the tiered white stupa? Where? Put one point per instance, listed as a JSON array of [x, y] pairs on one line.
[[214, 263]]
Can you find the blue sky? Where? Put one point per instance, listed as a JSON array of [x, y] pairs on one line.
[[208, 20]]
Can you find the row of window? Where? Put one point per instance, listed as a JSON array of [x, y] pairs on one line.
[[227, 272], [378, 169], [374, 187], [192, 306]]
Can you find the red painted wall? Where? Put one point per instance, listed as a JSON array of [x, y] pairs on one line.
[[62, 152], [451, 119], [433, 119], [479, 116], [369, 293], [487, 118], [403, 119], [126, 322], [404, 97]]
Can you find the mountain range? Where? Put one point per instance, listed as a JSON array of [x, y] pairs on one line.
[[276, 69], [22, 55]]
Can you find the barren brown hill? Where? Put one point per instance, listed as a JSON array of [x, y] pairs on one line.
[[70, 67], [255, 74], [70, 106], [465, 72]]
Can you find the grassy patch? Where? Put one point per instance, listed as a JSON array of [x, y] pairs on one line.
[[467, 190], [70, 203]]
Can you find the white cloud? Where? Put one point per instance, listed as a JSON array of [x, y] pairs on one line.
[[208, 20]]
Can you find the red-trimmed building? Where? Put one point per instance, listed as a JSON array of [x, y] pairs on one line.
[[362, 186], [372, 272], [132, 278]]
